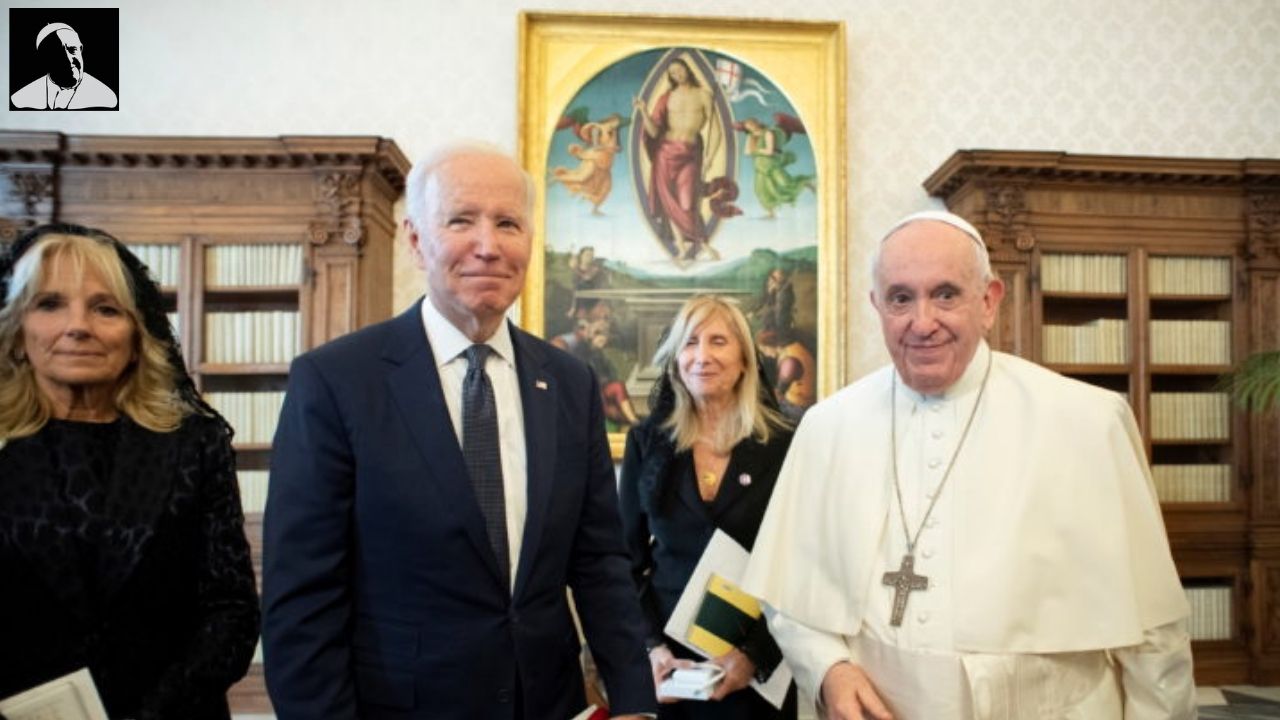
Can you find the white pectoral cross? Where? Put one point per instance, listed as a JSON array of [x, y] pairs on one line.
[[904, 582]]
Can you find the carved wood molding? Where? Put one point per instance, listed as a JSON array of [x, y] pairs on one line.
[[339, 169], [34, 190], [338, 207], [240, 153], [1006, 225], [966, 166], [1262, 216], [1270, 611], [285, 152]]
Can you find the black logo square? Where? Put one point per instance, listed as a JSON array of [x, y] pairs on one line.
[[64, 58]]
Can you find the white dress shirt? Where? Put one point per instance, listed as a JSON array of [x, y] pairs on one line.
[[448, 345]]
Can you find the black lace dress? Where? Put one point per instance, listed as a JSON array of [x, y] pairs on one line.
[[123, 550]]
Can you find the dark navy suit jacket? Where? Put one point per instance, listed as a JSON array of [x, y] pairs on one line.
[[382, 597]]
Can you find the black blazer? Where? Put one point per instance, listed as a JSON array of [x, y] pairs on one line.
[[173, 620], [382, 594], [667, 525]]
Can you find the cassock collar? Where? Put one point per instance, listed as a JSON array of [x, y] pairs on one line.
[[448, 342], [968, 383]]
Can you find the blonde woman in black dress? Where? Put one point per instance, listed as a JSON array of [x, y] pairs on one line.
[[706, 458], [122, 546]]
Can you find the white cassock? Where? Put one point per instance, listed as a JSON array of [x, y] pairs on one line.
[[1052, 593]]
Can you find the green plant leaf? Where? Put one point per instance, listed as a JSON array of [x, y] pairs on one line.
[[1256, 384]]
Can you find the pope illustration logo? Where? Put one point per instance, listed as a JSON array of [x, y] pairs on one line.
[[59, 56]]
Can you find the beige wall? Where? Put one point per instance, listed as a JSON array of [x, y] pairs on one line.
[[1166, 77]]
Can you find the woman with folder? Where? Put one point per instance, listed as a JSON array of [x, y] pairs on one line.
[[706, 458]]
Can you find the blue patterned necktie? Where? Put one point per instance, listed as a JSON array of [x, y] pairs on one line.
[[480, 449]]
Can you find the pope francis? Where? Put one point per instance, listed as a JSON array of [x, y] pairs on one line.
[[966, 534]]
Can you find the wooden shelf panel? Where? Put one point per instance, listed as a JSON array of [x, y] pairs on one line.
[[1190, 369], [1200, 507], [250, 447], [251, 292], [1086, 296], [1189, 298], [243, 368], [250, 694], [1090, 369], [1191, 441]]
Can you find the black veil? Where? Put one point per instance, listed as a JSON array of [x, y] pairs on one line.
[[146, 296]]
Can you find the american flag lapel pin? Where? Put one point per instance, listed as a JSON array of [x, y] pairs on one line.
[[540, 384]]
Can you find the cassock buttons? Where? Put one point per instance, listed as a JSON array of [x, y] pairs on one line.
[[744, 480], [934, 463], [931, 522], [923, 617], [926, 553], [937, 433]]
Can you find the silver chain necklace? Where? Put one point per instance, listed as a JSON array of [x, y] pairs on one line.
[[905, 580]]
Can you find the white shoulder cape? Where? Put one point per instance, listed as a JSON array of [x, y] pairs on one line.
[[1060, 545]]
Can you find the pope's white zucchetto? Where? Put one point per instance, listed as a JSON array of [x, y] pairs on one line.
[[51, 28], [941, 216]]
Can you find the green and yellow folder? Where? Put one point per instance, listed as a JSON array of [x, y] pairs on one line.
[[724, 617]]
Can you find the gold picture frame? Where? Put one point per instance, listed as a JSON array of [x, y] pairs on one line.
[[767, 97]]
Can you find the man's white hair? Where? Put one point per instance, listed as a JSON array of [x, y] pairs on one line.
[[415, 186], [982, 258]]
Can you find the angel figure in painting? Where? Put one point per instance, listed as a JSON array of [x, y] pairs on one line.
[[775, 185], [592, 179]]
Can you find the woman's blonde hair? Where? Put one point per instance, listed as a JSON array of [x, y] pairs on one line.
[[146, 389], [752, 416]]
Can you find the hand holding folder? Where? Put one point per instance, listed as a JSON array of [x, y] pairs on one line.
[[713, 615]]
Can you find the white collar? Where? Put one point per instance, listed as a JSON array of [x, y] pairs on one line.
[[448, 342], [968, 383], [53, 89]]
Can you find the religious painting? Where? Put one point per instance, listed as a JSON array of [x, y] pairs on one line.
[[680, 156]]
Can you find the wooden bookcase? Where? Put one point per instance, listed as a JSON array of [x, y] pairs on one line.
[[1155, 277], [211, 214]]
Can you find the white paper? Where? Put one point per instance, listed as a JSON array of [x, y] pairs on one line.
[[586, 714], [70, 697], [726, 558]]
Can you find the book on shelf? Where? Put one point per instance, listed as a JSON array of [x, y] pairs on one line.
[[267, 336], [1191, 342], [164, 261], [1104, 341], [1190, 416], [255, 265], [1189, 275], [1210, 612], [253, 415], [253, 490], [1192, 483], [1083, 273]]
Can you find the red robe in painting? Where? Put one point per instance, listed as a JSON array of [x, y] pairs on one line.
[[675, 183]]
